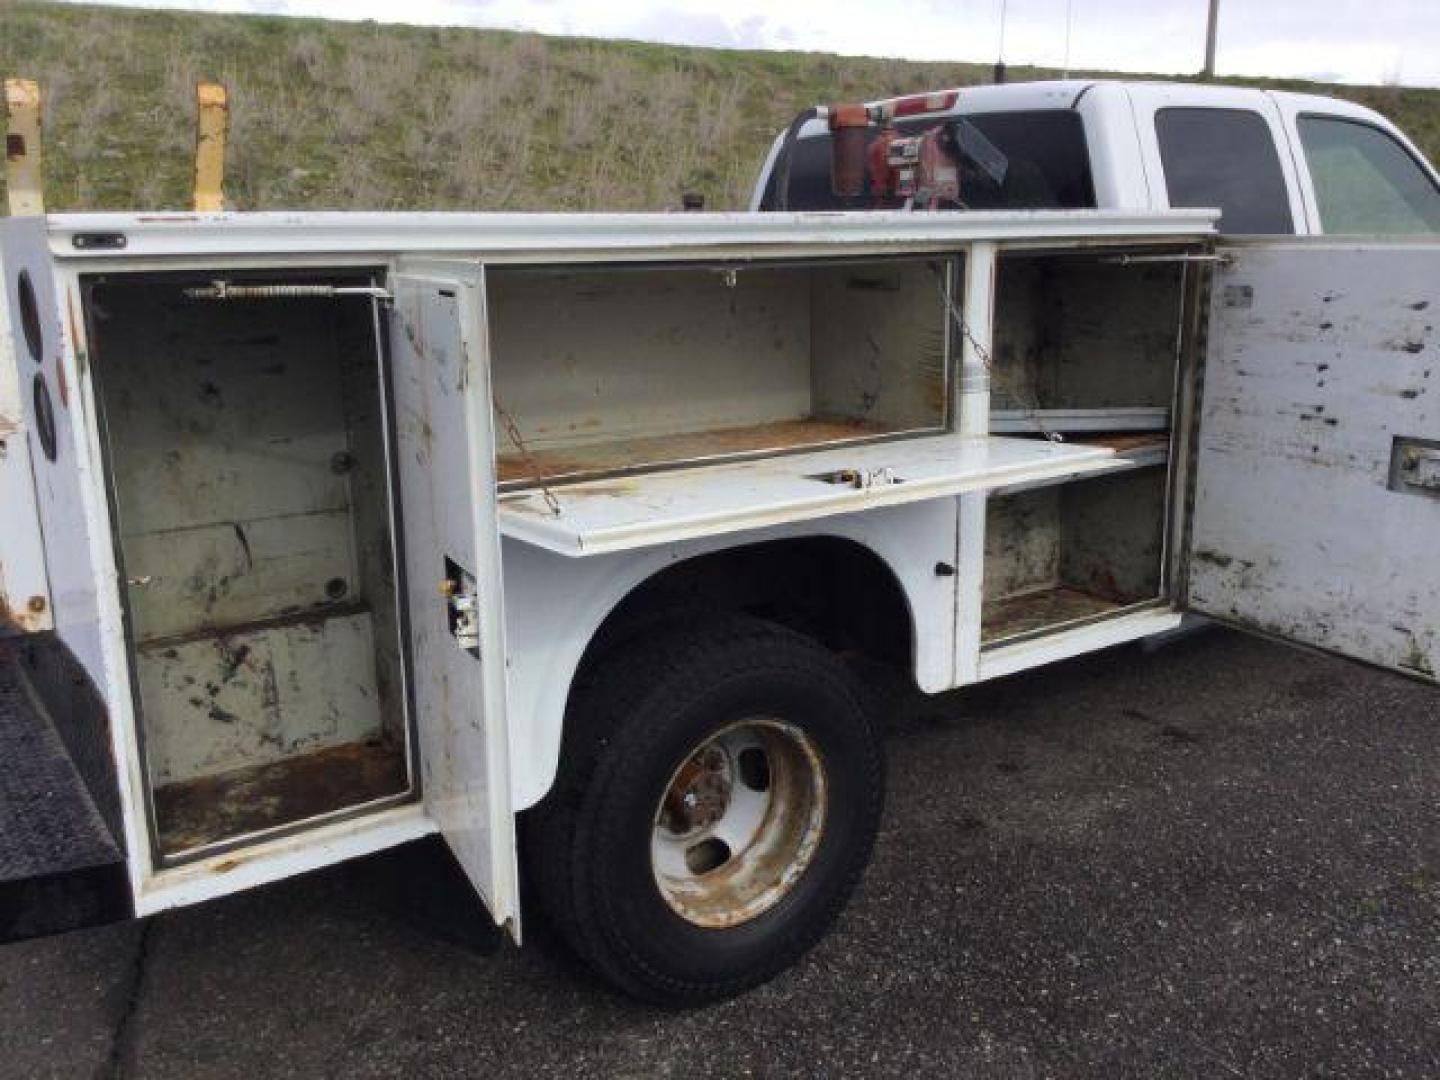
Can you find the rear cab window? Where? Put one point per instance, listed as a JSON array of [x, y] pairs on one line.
[[1046, 165], [1366, 182], [1225, 158]]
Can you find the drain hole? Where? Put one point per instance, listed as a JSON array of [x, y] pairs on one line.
[[755, 769], [707, 855]]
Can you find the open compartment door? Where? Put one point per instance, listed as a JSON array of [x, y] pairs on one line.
[[452, 562], [1316, 506]]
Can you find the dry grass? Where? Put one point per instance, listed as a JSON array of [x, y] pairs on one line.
[[347, 115]]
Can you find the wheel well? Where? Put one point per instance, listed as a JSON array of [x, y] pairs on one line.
[[831, 589]]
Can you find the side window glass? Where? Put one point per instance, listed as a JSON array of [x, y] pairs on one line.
[[1225, 158], [1365, 182]]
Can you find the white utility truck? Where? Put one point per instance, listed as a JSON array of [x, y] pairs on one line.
[[326, 532]]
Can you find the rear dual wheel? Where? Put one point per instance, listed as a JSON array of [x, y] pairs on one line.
[[719, 797]]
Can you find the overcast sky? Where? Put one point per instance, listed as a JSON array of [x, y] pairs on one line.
[[1368, 41]]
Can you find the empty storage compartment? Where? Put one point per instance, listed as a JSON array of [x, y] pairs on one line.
[[1086, 341], [249, 472], [611, 369], [1071, 552]]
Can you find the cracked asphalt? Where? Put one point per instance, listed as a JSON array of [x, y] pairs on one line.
[[1220, 859]]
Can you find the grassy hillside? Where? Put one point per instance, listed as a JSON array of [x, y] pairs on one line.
[[344, 115]]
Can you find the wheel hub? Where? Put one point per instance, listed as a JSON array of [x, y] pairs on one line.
[[700, 792], [739, 822]]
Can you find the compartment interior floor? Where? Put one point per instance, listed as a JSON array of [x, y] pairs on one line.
[[213, 808], [1036, 610], [599, 457]]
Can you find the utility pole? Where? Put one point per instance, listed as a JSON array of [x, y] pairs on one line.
[[1209, 72]]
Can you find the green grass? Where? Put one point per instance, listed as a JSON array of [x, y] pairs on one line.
[[357, 115]]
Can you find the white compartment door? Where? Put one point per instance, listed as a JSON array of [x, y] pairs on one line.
[[1316, 512], [440, 374]]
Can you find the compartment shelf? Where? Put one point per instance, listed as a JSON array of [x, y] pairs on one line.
[[629, 512], [1041, 610], [1143, 450]]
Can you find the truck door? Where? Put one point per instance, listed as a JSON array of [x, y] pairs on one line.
[[1316, 492], [452, 562]]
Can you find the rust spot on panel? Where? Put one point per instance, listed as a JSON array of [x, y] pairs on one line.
[[29, 618], [81, 361], [61, 383], [1125, 443], [1037, 610], [688, 446]]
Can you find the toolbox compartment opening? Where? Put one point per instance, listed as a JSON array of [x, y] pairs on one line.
[[626, 368], [1087, 349], [1086, 340], [246, 451], [1068, 553]]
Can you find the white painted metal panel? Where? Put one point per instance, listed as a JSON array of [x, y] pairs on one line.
[[554, 605], [447, 489], [1322, 355], [60, 485], [597, 237], [24, 589], [281, 857], [612, 515]]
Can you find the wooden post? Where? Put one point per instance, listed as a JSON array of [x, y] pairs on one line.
[[24, 187], [212, 122]]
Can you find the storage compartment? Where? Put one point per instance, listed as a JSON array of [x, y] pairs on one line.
[[1086, 341], [619, 369], [1087, 350], [1067, 553], [246, 443]]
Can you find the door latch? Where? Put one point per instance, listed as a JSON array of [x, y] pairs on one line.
[[1415, 467], [462, 605]]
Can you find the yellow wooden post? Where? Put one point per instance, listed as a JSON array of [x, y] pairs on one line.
[[211, 124], [23, 185]]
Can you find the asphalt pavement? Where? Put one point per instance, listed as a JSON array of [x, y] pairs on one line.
[[1219, 859]]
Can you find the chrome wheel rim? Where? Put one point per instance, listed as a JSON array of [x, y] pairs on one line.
[[739, 822]]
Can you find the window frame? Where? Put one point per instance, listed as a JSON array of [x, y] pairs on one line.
[[1277, 139]]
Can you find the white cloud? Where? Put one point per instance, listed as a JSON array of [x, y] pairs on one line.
[[1352, 40]]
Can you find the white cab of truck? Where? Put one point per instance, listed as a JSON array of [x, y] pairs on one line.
[[578, 539], [1272, 162]]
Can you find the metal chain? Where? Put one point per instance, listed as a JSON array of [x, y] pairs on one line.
[[1028, 404], [538, 474]]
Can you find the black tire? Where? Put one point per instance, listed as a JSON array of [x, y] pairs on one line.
[[641, 711]]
